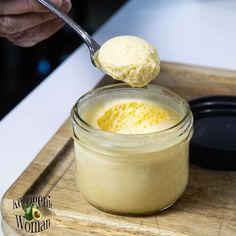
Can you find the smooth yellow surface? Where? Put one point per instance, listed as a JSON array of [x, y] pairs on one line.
[[129, 59], [126, 184]]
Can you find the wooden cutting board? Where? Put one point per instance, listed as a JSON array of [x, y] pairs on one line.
[[207, 207]]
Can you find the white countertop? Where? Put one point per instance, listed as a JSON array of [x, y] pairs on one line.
[[186, 31]]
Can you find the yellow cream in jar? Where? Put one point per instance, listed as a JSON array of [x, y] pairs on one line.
[[131, 116], [131, 148]]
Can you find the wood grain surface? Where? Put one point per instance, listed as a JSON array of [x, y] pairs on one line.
[[207, 207]]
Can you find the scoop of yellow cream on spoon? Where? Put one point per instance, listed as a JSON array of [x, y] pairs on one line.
[[129, 59]]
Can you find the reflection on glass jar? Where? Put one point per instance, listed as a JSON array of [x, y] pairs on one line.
[[131, 173]]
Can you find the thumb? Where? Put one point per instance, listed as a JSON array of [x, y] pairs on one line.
[[15, 7]]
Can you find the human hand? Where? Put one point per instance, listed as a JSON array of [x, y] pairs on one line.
[[26, 22]]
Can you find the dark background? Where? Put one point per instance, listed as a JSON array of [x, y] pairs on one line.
[[22, 69]]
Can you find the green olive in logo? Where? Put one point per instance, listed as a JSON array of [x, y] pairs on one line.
[[37, 215], [28, 213]]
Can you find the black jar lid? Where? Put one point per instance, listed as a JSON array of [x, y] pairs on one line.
[[213, 144]]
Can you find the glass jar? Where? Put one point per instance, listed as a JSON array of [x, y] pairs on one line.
[[133, 174]]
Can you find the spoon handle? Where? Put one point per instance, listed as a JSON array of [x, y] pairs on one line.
[[90, 42]]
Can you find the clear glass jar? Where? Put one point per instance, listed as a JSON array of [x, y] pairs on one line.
[[131, 173]]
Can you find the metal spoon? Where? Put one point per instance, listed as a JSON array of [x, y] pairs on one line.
[[92, 45]]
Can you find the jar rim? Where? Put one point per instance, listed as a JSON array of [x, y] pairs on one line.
[[79, 121]]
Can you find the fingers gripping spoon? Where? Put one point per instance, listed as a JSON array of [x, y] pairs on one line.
[[92, 45]]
